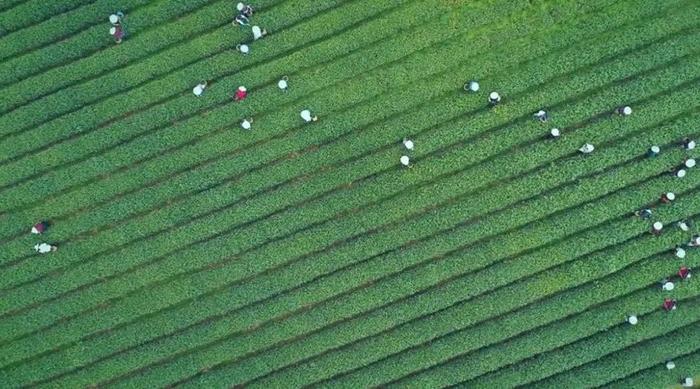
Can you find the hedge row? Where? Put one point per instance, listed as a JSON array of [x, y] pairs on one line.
[[95, 143], [658, 376], [33, 12], [83, 55], [61, 26]]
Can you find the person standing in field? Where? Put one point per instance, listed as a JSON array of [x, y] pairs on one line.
[[247, 124], [656, 228], [43, 248], [241, 94], [494, 98], [117, 32], [541, 115], [669, 304], [306, 116], [199, 88], [554, 133], [624, 111], [245, 9], [40, 227], [689, 163], [653, 151], [684, 273], [685, 225], [687, 382], [241, 20], [643, 213], [258, 32], [679, 252], [667, 197], [586, 148], [471, 86], [694, 241], [282, 84], [688, 144]]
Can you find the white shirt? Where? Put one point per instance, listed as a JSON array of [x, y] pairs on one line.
[[587, 148], [197, 90], [257, 32], [246, 124], [306, 115], [282, 84], [43, 248], [405, 160]]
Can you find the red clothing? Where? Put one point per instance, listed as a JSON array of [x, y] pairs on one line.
[[684, 272], [669, 304], [240, 95], [118, 33], [41, 227]]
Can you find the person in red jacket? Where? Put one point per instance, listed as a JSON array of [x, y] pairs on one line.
[[669, 304], [684, 273], [40, 227], [241, 94]]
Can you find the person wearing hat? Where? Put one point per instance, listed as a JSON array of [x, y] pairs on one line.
[[408, 144], [241, 94], [653, 151], [643, 213], [405, 161], [241, 20], [199, 88], [624, 111], [586, 148], [116, 18], [679, 173], [258, 32], [471, 86], [541, 115], [40, 227], [494, 98], [43, 248], [632, 319], [679, 252], [282, 83], [669, 304], [117, 32], [687, 382], [246, 124], [688, 144], [245, 9], [243, 48], [667, 285], [554, 133], [656, 228], [667, 197], [306, 116], [684, 273]]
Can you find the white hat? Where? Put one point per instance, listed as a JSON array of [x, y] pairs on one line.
[[244, 48], [404, 160], [408, 143], [680, 173], [655, 149], [657, 226], [670, 196], [688, 382], [240, 6], [632, 319], [245, 124], [691, 145], [473, 86], [680, 253], [282, 84], [670, 365], [494, 96], [112, 30], [690, 162], [197, 90], [668, 286], [113, 18], [627, 110], [555, 132], [306, 115], [242, 88]]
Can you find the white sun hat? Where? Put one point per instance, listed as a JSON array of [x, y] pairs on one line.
[[632, 319], [668, 285], [112, 30], [472, 86], [680, 252], [408, 144], [242, 88], [690, 162], [627, 110], [671, 196], [658, 226], [405, 160], [113, 18], [494, 96], [555, 132], [680, 173], [306, 115], [282, 84], [240, 6], [246, 124]]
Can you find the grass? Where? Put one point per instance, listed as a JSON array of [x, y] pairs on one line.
[[193, 253]]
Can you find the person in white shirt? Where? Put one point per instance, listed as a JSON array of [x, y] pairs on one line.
[[306, 116], [541, 115], [258, 32], [43, 248], [586, 148], [199, 89], [688, 144], [282, 84], [624, 111], [494, 98], [247, 124], [679, 252]]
